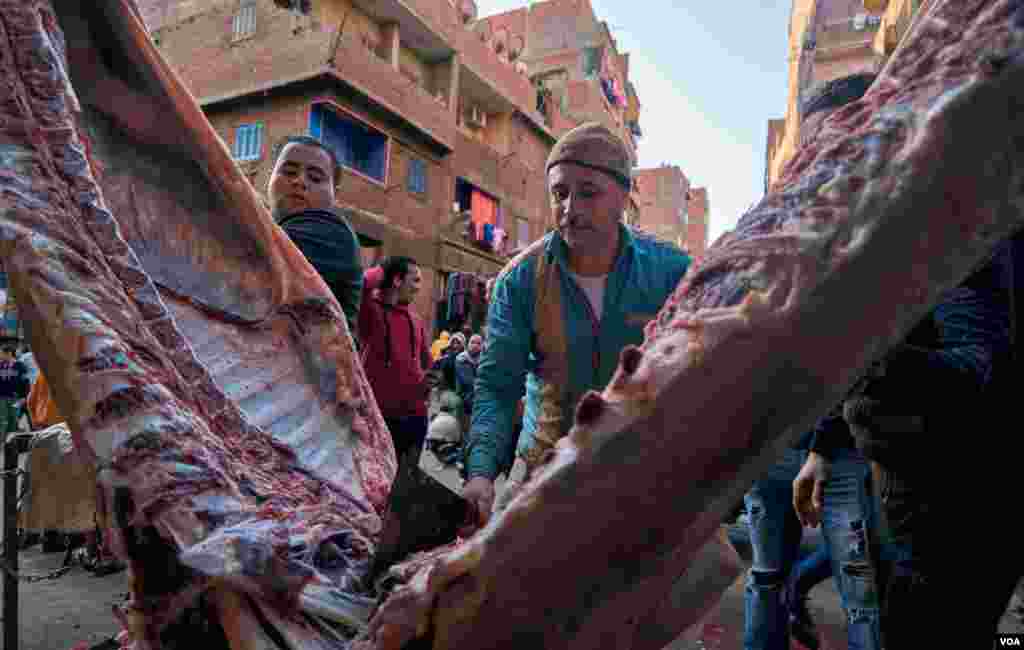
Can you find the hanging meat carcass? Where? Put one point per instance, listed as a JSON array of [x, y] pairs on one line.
[[897, 199], [199, 359], [244, 464]]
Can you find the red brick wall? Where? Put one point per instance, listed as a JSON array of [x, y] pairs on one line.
[[834, 69], [697, 230], [202, 49], [833, 11], [158, 13], [661, 197], [498, 71], [476, 162], [531, 149], [570, 61], [289, 115], [196, 37], [559, 25], [513, 22]]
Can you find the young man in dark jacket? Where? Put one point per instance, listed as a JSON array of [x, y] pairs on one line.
[[928, 419], [13, 387], [301, 193], [775, 592]]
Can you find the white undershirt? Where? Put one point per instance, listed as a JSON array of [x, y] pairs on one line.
[[593, 287]]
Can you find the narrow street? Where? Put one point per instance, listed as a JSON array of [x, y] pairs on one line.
[[68, 610], [724, 628], [74, 609]]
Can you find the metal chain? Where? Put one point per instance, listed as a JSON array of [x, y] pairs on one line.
[[36, 577]]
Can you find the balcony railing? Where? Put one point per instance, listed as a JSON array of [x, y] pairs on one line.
[[844, 34], [380, 81], [500, 75], [477, 162], [440, 15]]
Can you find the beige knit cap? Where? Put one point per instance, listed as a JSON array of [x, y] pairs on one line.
[[592, 145]]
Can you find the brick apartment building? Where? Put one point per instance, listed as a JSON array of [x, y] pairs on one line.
[[829, 39], [670, 208], [441, 118], [661, 194], [574, 62], [697, 222]]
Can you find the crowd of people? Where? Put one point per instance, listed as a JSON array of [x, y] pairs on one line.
[[870, 474]]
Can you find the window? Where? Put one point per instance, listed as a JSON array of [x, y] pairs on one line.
[[244, 24], [522, 232], [417, 181], [593, 58], [357, 146], [248, 142]]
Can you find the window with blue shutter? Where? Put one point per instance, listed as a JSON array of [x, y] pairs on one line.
[[248, 142], [358, 146], [417, 182]]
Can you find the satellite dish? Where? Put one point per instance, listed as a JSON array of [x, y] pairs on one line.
[[483, 30], [500, 41], [515, 46], [467, 10]]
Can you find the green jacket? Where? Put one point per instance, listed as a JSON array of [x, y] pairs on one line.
[[536, 309]]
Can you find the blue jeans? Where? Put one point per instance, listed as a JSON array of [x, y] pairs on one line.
[[810, 571], [775, 535]]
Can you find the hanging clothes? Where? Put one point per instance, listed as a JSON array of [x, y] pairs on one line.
[[450, 297], [499, 241], [460, 287], [609, 93], [484, 211], [620, 96]]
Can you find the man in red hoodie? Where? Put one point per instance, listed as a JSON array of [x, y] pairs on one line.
[[396, 351]]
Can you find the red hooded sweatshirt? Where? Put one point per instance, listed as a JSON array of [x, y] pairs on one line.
[[395, 351]]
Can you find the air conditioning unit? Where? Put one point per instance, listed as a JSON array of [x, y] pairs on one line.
[[476, 117], [860, 21]]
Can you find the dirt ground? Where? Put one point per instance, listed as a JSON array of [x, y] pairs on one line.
[[724, 628], [75, 608]]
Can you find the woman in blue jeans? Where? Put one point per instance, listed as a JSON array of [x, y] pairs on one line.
[[776, 533]]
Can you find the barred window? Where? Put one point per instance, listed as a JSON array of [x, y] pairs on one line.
[[417, 181], [244, 24], [248, 142]]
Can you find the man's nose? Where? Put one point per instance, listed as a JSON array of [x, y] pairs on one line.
[[571, 207]]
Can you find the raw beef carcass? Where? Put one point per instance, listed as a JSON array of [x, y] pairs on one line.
[[200, 361], [897, 199], [244, 464]]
